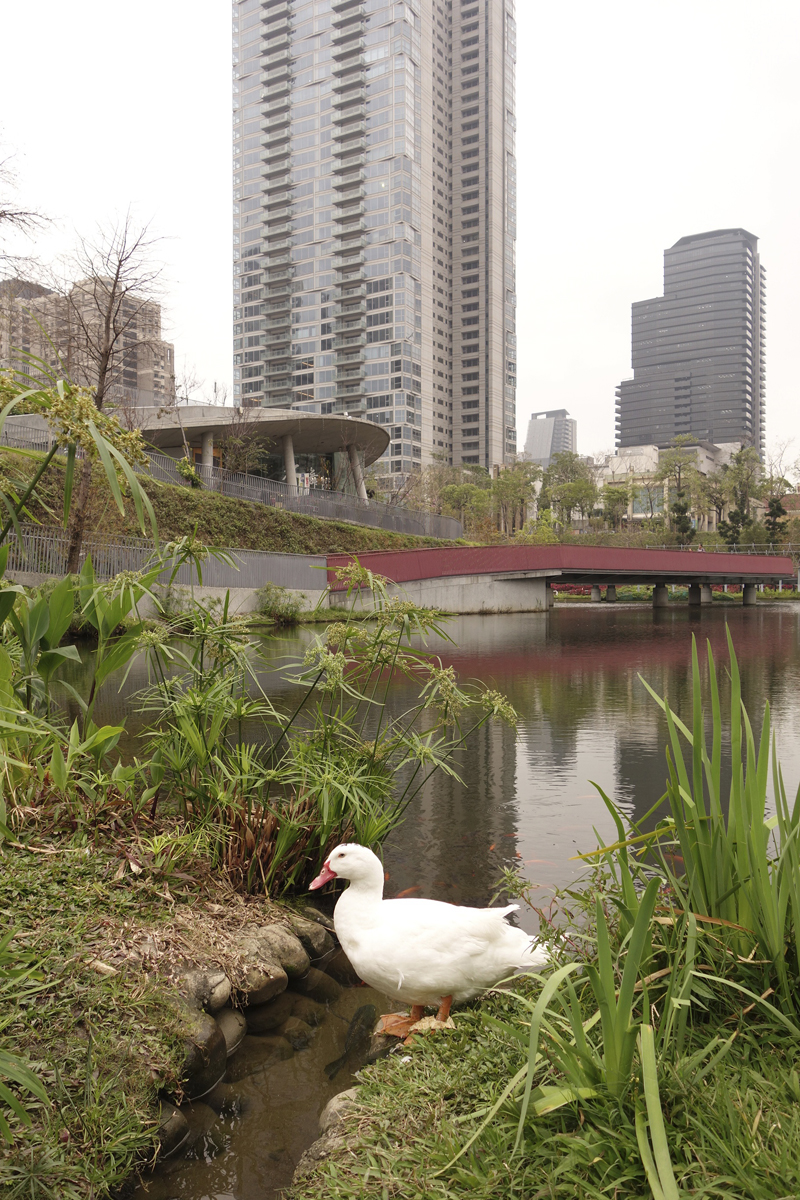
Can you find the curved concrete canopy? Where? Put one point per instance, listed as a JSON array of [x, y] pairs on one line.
[[164, 428]]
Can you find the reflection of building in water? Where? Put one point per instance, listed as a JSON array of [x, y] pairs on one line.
[[641, 773], [546, 742], [457, 837]]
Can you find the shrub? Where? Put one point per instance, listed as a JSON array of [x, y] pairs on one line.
[[280, 605], [189, 472]]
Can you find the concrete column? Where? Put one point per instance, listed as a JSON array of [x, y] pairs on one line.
[[706, 595], [207, 459], [660, 596], [287, 448], [358, 474], [596, 597], [611, 594], [749, 594], [694, 594], [548, 596]]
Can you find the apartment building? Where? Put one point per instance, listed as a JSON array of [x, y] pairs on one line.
[[62, 331], [698, 350], [374, 219]]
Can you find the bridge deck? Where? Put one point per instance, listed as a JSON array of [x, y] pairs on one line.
[[570, 564]]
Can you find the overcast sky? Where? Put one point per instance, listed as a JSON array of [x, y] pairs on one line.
[[637, 123]]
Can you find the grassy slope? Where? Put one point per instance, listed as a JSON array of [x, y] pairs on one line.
[[220, 520], [100, 1043]]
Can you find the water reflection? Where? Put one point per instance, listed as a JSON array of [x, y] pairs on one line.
[[573, 675], [585, 716]]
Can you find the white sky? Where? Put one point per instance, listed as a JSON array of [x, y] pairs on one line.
[[638, 122]]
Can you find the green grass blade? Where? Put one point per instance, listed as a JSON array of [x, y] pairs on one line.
[[655, 1117]]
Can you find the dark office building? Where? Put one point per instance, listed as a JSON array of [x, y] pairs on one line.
[[698, 351]]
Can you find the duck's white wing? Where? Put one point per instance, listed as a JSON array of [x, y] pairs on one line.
[[422, 950]]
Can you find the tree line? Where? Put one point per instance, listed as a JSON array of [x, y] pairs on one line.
[[528, 503]]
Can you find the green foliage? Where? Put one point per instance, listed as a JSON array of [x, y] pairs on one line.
[[471, 503], [20, 980], [742, 866], [188, 471], [75, 423], [616, 497], [680, 521], [774, 519], [273, 805], [512, 492], [538, 532], [568, 486], [281, 606]]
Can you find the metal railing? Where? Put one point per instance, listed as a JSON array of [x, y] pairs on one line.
[[312, 502], [788, 550], [44, 552]]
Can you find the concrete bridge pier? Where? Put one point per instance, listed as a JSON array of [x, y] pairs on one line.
[[694, 594], [596, 596], [749, 594], [611, 594], [660, 596], [706, 595]]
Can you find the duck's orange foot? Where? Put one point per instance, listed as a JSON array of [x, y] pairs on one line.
[[399, 1024]]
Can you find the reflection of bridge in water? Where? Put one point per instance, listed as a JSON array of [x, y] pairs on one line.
[[467, 579]]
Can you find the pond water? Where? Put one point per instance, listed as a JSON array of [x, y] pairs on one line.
[[527, 799]]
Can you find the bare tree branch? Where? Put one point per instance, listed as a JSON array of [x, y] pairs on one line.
[[12, 216]]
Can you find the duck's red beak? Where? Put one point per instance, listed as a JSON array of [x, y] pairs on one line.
[[325, 876]]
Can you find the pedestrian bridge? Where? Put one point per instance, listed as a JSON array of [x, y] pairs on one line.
[[468, 579]]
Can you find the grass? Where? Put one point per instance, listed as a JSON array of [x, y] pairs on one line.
[[101, 1043], [219, 520], [733, 1131]]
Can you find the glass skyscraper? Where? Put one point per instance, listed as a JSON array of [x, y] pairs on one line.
[[374, 219], [698, 351]]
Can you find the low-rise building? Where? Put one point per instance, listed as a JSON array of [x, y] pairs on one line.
[[638, 468]]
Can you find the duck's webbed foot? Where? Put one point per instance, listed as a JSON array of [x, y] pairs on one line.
[[398, 1024]]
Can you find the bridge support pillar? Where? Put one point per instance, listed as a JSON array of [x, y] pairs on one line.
[[548, 597], [706, 595], [660, 596], [694, 594], [749, 594], [596, 596], [611, 594]]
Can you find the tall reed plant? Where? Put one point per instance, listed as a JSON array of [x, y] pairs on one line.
[[723, 853]]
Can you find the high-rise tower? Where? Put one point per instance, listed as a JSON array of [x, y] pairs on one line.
[[375, 219], [698, 351]]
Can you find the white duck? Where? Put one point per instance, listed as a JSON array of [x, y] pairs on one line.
[[421, 952]]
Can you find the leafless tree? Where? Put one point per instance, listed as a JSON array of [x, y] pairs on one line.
[[106, 318]]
